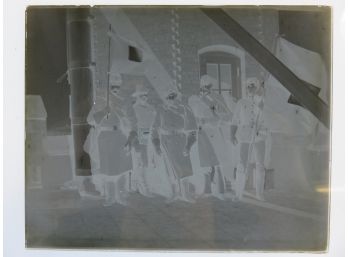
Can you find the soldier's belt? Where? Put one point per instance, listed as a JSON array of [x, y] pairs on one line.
[[143, 135], [109, 128], [144, 131], [171, 132]]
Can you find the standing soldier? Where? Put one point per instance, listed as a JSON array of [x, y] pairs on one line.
[[144, 118], [211, 113], [174, 134], [249, 131], [105, 144]]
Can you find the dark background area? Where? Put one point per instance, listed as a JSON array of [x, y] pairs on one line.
[[308, 29], [46, 62]]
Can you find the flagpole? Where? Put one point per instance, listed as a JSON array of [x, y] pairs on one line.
[[108, 80]]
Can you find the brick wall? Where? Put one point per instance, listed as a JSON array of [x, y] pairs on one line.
[[196, 31]]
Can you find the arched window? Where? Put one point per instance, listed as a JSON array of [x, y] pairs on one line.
[[226, 65]]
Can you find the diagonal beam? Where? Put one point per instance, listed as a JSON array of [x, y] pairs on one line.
[[284, 75]]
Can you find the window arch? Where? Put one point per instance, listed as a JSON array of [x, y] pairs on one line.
[[226, 65]]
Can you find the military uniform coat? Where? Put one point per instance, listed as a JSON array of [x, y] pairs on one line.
[[171, 126], [211, 113]]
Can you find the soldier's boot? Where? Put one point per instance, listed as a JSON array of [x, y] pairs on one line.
[[86, 187], [121, 192], [207, 185], [109, 193], [175, 191], [208, 178], [240, 182], [142, 183], [219, 185], [181, 194], [188, 193], [260, 182]]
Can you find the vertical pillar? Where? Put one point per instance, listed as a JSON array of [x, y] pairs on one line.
[[80, 76]]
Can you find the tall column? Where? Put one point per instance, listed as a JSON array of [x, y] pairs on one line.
[[80, 76]]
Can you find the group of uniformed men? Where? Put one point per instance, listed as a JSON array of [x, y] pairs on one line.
[[181, 149]]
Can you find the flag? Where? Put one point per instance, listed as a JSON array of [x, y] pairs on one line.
[[307, 65]]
